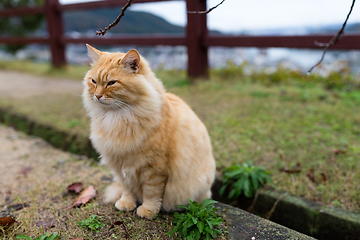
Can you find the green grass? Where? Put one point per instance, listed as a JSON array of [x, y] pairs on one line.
[[45, 69], [279, 120]]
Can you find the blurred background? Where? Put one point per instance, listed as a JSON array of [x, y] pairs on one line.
[[251, 18]]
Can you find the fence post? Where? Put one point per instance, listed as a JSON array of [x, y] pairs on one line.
[[56, 31], [196, 31]]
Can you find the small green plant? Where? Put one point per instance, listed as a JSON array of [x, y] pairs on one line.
[[246, 179], [198, 221], [92, 223], [46, 236], [336, 203]]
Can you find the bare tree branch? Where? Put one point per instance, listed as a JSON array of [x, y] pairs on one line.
[[206, 12], [334, 40], [113, 24]]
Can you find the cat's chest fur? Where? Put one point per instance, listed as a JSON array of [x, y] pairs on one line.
[[124, 142], [112, 133]]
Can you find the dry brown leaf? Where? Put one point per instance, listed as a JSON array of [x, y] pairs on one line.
[[339, 151], [47, 223], [120, 223], [85, 196], [25, 170], [290, 171], [17, 207], [310, 175], [6, 221], [8, 196], [296, 169], [323, 176], [75, 187]]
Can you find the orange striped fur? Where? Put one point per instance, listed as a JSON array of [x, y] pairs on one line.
[[156, 147]]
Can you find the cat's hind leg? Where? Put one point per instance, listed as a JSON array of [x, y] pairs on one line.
[[204, 196], [127, 202], [113, 192]]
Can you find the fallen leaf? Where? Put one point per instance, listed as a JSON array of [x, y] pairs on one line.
[[116, 223], [85, 196], [25, 170], [120, 223], [310, 175], [75, 187], [17, 207], [6, 221], [290, 171], [296, 169], [323, 176], [47, 223], [8, 196], [339, 151]]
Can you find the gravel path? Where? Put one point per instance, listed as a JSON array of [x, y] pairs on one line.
[[24, 162], [30, 167]]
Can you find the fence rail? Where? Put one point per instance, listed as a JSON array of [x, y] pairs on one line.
[[196, 39]]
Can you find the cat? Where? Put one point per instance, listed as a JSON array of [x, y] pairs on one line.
[[157, 149]]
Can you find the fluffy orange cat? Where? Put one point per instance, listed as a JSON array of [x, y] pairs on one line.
[[158, 150]]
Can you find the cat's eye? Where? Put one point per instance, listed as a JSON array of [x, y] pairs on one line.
[[94, 82], [111, 83]]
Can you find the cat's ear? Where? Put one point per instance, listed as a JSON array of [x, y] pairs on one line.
[[131, 60], [93, 53]]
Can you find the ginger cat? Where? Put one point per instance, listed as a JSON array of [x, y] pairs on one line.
[[158, 150]]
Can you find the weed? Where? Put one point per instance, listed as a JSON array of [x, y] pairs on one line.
[[93, 223], [245, 179], [198, 221], [337, 203], [46, 236]]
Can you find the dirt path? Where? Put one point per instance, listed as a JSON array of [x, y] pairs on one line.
[[29, 164], [35, 173], [16, 84]]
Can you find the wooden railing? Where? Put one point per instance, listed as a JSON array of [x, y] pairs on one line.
[[196, 38]]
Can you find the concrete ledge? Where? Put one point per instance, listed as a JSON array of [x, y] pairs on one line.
[[244, 225], [296, 213], [300, 214], [337, 224]]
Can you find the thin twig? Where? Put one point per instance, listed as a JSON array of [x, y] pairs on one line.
[[268, 215], [334, 40], [113, 24], [253, 203], [206, 12]]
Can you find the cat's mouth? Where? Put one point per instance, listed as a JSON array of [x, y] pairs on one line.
[[101, 101]]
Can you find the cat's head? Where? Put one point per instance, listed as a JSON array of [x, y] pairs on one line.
[[120, 81]]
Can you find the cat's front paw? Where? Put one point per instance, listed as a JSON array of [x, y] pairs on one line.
[[124, 205], [146, 213]]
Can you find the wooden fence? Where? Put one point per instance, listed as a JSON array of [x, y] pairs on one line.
[[196, 38]]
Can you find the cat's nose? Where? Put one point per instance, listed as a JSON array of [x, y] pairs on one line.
[[98, 96]]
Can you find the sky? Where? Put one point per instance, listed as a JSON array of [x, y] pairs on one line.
[[246, 15]]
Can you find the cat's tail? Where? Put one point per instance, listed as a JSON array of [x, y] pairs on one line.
[[113, 193]]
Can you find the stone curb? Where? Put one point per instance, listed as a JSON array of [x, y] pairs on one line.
[[244, 225], [296, 213], [300, 214]]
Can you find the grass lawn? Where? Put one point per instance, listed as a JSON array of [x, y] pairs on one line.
[[304, 129]]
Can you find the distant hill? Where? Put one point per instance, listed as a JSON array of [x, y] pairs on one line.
[[133, 22]]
